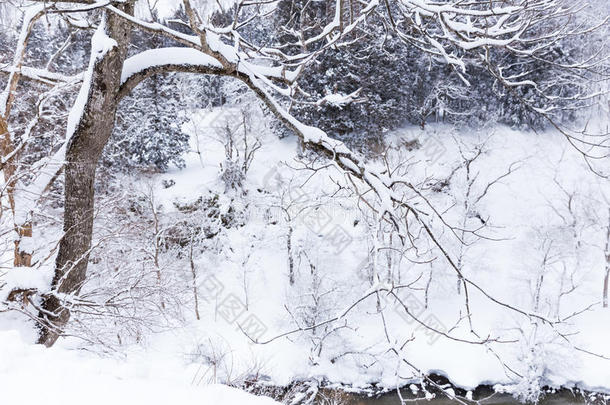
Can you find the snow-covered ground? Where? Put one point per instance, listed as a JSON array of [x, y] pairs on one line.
[[544, 213], [58, 376]]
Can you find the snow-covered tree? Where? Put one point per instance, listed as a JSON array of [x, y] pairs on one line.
[[456, 33]]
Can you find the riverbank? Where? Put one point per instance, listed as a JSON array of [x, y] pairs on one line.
[[433, 390], [74, 375]]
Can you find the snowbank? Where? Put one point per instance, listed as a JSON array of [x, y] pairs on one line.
[[32, 374]]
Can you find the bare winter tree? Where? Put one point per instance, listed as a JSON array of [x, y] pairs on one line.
[[457, 32], [8, 149], [607, 275]]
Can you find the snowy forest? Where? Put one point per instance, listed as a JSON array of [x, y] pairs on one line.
[[305, 202]]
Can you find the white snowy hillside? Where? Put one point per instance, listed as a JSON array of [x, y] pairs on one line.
[[283, 286]]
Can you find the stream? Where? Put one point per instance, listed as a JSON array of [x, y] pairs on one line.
[[296, 393], [482, 395], [560, 398]]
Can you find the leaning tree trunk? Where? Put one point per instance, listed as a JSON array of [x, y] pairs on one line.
[[607, 252], [23, 225], [8, 168], [93, 119]]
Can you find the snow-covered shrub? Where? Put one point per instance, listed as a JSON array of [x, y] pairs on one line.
[[134, 286], [232, 174], [237, 133], [203, 218]]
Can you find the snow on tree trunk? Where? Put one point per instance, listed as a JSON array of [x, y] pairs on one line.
[[23, 257], [90, 125], [23, 225], [8, 168], [607, 276]]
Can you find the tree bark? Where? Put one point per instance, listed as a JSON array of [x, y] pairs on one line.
[[607, 276], [23, 227], [289, 251], [8, 168], [23, 230], [82, 155]]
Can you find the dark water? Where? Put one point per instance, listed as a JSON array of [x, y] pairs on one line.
[[392, 399], [483, 395], [563, 397]]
